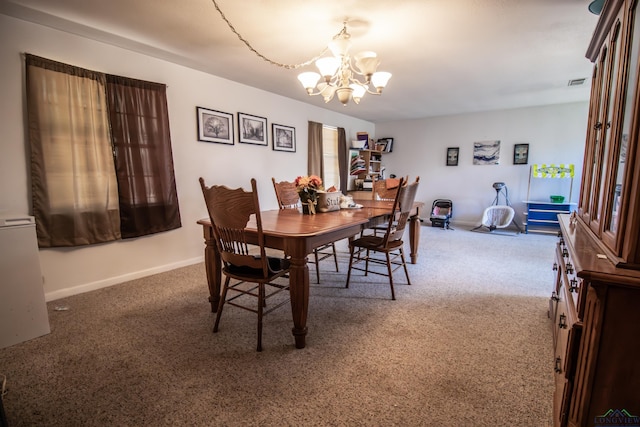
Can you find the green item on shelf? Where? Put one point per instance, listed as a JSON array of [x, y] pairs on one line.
[[557, 199]]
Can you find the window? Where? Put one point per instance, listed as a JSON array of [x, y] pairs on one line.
[[77, 122], [143, 158], [330, 157]]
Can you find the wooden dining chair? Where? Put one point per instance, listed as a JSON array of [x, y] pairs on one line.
[[253, 274], [390, 244], [382, 190], [385, 189], [287, 196]]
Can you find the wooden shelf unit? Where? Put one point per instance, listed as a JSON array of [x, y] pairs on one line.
[[370, 166], [373, 163]]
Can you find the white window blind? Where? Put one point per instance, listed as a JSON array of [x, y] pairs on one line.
[[330, 157]]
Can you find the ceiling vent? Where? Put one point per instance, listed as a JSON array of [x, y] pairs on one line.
[[576, 82]]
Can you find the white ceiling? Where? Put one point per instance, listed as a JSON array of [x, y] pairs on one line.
[[446, 56]]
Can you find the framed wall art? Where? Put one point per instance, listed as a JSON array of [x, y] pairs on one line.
[[214, 126], [284, 138], [521, 154], [252, 129], [486, 153], [452, 156]]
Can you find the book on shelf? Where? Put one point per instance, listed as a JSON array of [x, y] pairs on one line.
[[358, 165], [387, 144]]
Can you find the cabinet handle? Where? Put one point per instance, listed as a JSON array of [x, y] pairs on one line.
[[569, 268], [565, 252], [608, 125], [555, 266], [560, 235], [563, 321], [598, 126], [573, 285], [557, 368], [554, 296]]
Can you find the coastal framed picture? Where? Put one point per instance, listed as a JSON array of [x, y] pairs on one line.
[[283, 137], [252, 129], [214, 126], [486, 153], [452, 156], [521, 154]]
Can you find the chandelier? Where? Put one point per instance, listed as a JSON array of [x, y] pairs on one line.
[[341, 75]]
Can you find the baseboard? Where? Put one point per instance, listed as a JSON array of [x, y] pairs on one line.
[[463, 224], [87, 287]]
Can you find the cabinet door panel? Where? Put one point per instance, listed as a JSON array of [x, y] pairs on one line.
[[619, 159], [608, 115], [592, 150]]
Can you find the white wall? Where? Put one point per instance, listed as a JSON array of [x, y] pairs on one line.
[[555, 134], [73, 270]]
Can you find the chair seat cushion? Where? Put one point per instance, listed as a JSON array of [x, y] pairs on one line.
[[374, 243], [440, 216], [276, 267]]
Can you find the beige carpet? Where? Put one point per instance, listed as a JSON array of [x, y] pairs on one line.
[[468, 344]]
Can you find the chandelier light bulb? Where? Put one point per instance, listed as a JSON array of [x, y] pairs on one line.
[[358, 92], [367, 63], [340, 47], [328, 66], [309, 80], [327, 91], [380, 79]]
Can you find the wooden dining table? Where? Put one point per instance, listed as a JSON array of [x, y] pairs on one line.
[[298, 235]]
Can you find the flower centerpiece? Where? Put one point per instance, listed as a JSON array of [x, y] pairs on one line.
[[308, 187]]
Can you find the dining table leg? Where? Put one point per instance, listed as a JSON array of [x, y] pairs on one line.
[[299, 292], [414, 237]]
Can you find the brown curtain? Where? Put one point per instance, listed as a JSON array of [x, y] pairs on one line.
[[315, 164], [343, 162], [74, 189], [144, 162]]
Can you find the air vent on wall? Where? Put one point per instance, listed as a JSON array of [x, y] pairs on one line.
[[576, 82]]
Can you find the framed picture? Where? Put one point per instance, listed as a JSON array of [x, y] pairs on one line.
[[214, 126], [486, 153], [452, 156], [521, 154], [252, 129], [283, 137]]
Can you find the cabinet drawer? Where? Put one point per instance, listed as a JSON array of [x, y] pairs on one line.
[[567, 330], [550, 207], [569, 276]]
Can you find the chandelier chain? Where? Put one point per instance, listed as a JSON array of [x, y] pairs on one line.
[[270, 61]]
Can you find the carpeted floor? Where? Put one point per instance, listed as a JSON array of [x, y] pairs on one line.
[[468, 344]]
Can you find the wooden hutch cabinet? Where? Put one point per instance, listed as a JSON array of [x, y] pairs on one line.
[[595, 301], [609, 197]]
